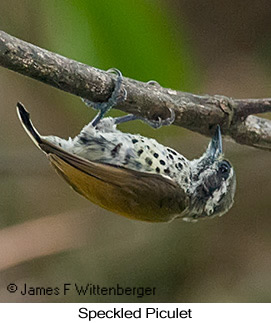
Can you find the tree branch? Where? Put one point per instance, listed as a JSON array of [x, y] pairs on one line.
[[194, 112]]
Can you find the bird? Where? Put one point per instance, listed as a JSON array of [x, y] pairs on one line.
[[135, 176]]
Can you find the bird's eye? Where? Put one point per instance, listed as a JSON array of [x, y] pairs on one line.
[[224, 168]]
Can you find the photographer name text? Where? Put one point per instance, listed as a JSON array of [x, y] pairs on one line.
[[88, 289]]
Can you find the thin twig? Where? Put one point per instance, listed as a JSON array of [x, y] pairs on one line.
[[194, 112]]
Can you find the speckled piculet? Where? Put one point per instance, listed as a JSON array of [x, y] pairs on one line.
[[136, 176]]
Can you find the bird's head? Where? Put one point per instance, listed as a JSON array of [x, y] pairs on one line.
[[213, 182]]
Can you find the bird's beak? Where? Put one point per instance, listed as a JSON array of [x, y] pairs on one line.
[[215, 146]]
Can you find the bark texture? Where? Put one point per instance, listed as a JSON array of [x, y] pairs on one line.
[[194, 112]]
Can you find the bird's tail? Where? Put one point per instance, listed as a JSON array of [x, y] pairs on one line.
[[24, 117]]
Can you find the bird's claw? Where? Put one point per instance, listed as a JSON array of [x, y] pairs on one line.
[[161, 122], [153, 82], [116, 97]]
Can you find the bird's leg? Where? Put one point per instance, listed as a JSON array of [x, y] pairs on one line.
[[153, 123], [128, 117], [116, 97]]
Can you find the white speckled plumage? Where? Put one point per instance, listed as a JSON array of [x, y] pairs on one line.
[[106, 144]]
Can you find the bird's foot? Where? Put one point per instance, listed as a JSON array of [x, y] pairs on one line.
[[153, 123], [160, 122], [117, 96]]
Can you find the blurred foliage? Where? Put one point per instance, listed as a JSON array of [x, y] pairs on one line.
[[135, 36], [185, 45]]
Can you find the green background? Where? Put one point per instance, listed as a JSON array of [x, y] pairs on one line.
[[49, 235]]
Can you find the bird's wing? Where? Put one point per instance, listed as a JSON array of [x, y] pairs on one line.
[[143, 196]]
